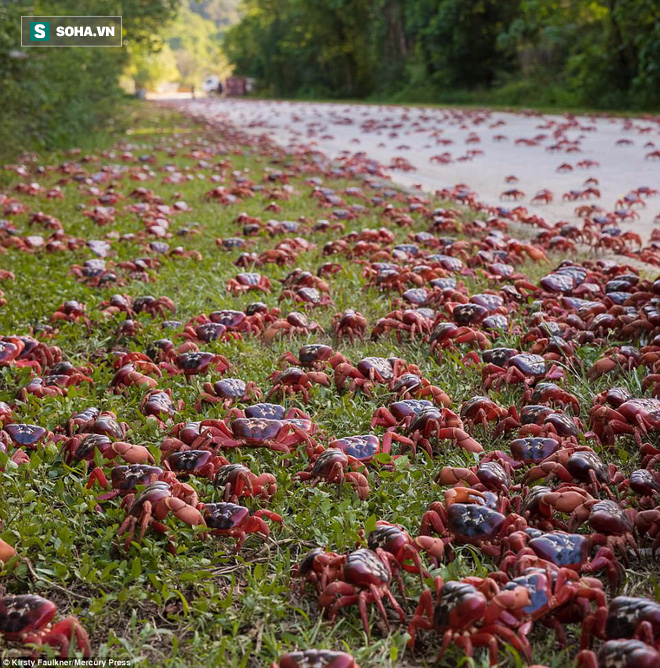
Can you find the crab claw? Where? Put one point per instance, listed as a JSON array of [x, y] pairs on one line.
[[183, 511], [461, 438], [63, 633], [7, 552], [434, 547], [133, 454]]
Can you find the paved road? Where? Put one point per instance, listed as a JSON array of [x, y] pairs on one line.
[[477, 148]]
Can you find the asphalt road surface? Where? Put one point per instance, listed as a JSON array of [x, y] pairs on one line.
[[478, 148]]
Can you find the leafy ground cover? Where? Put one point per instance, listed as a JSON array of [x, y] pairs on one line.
[[206, 605]]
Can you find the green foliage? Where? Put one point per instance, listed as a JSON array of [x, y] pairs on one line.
[[53, 97], [188, 49], [313, 47], [223, 13], [601, 53], [196, 43], [151, 68]]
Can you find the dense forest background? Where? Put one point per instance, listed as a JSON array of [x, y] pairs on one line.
[[594, 53], [54, 97], [557, 53]]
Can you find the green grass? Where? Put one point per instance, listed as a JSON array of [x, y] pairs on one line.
[[207, 605]]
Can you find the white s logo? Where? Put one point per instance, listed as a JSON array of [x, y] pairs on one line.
[[39, 31]]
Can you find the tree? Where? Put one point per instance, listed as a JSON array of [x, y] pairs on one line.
[[55, 97], [197, 46], [148, 69], [595, 52]]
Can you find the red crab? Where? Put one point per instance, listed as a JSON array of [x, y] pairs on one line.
[[558, 596], [579, 464], [83, 418], [190, 435], [28, 436], [627, 617], [439, 424], [306, 297], [542, 421], [566, 550], [613, 526], [28, 619], [11, 348], [278, 435], [93, 272], [317, 567], [132, 374], [245, 282], [300, 278], [635, 416], [272, 412], [552, 395], [207, 332], [371, 371], [620, 653], [365, 447], [93, 421], [153, 504], [363, 578], [161, 306], [165, 350], [645, 485], [513, 194], [350, 324], [85, 446], [71, 311], [236, 481], [237, 321], [227, 391], [6, 413], [543, 196], [315, 356], [492, 473], [411, 321], [294, 380], [539, 503], [295, 324], [191, 364], [52, 385], [647, 523], [481, 410], [410, 385], [159, 404], [228, 519], [200, 463], [398, 413], [331, 466], [448, 335], [468, 613], [19, 456], [24, 351], [470, 523], [621, 358], [394, 543], [521, 368], [125, 479]]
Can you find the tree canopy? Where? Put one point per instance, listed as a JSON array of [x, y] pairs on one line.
[[573, 52], [53, 97]]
